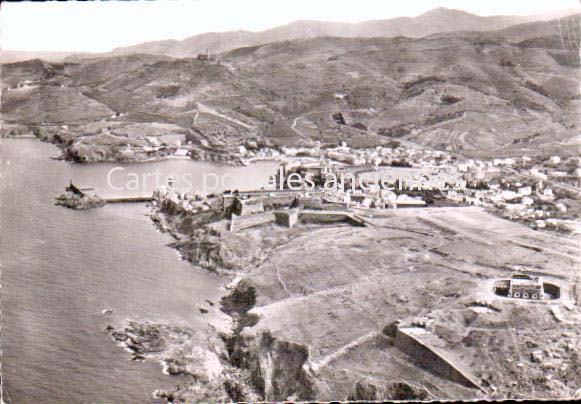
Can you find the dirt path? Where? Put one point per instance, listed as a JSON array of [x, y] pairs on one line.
[[317, 365], [211, 111], [295, 130]]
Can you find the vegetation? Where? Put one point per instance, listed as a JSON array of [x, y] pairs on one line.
[[448, 99]]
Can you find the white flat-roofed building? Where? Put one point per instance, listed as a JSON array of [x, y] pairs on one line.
[[525, 191]]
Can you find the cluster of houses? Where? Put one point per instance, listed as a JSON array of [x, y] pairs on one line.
[[378, 156], [524, 194], [520, 188], [343, 185], [153, 147]]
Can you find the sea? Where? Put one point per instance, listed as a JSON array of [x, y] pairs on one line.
[[66, 275]]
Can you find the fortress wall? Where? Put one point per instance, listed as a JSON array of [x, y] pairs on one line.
[[251, 207], [272, 202], [244, 222], [310, 203], [288, 218], [228, 202], [429, 358], [554, 291], [325, 216]]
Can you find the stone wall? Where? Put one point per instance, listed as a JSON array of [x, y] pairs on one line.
[[288, 218], [278, 201], [244, 222], [553, 291], [326, 216], [244, 207], [430, 359], [310, 203]]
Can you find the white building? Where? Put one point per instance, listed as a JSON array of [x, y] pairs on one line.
[[536, 173], [508, 195], [504, 162], [153, 141], [559, 173], [525, 191], [515, 207], [404, 201], [527, 201], [376, 161], [561, 206]]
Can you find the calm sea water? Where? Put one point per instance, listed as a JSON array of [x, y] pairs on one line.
[[61, 268]]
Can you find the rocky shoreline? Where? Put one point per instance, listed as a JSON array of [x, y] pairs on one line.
[[180, 353], [103, 146], [77, 202], [248, 364], [274, 350], [225, 365]]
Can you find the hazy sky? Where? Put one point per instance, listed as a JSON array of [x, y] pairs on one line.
[[101, 26]]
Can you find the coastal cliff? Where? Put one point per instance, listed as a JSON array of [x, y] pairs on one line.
[[308, 320]]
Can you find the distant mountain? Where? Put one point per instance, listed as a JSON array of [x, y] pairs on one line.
[[440, 20], [11, 56]]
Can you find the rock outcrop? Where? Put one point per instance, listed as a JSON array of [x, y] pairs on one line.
[[77, 202]]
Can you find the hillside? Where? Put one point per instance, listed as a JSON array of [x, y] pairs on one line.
[[509, 92], [435, 21]]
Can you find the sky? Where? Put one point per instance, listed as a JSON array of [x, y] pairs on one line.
[[101, 26]]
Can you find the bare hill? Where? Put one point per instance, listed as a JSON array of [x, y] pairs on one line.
[[482, 94], [440, 20], [435, 21]]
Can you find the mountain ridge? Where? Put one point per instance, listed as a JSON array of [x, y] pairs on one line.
[[483, 94], [439, 20], [435, 21]]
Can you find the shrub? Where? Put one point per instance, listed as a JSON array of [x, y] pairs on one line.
[[506, 63], [448, 99], [167, 91]]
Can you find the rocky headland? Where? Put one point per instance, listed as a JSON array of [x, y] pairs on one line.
[[320, 310], [399, 306]]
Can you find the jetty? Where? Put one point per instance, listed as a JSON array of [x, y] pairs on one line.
[[129, 199], [82, 192]]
